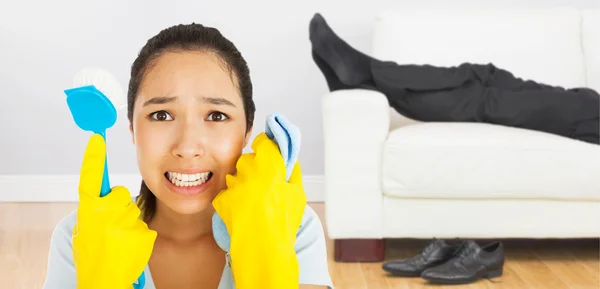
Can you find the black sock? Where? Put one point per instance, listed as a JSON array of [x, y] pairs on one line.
[[350, 66], [333, 82]]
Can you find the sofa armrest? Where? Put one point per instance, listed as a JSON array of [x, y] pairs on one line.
[[356, 124]]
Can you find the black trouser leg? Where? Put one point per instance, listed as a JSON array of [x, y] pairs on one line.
[[430, 93], [588, 131], [566, 113], [429, 77], [478, 93], [423, 77], [492, 76]]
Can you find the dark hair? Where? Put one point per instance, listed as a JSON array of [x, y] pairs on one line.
[[190, 37]]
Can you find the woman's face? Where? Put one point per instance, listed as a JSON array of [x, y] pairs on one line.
[[189, 129]]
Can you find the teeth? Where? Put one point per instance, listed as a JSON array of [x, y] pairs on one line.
[[187, 180]]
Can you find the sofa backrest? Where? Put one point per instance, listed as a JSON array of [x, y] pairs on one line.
[[591, 46], [541, 44]]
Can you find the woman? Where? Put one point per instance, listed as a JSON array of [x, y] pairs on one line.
[[191, 113]]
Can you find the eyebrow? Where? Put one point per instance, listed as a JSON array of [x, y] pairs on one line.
[[209, 100], [217, 101], [159, 100]]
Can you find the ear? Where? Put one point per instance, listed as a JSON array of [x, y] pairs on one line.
[[247, 136], [131, 132]]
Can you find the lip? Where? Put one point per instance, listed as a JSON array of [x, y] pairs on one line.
[[189, 191], [189, 171]]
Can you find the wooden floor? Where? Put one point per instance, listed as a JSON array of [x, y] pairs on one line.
[[25, 230]]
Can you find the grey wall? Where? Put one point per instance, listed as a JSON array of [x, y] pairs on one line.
[[45, 42]]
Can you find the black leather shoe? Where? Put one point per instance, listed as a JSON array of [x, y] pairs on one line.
[[471, 263], [434, 253]]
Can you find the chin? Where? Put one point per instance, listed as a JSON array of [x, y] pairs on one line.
[[189, 207]]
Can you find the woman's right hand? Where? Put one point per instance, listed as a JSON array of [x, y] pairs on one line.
[[111, 244]]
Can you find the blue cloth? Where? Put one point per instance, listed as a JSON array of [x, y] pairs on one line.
[[288, 138]]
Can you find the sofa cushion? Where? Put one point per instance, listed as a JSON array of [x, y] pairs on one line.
[[539, 44], [591, 46], [479, 160]]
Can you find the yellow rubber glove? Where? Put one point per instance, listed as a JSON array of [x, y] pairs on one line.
[[111, 245], [263, 212]]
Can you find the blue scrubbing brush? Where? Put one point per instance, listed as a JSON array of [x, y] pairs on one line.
[[94, 102]]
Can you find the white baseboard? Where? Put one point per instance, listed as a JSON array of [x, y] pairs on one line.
[[63, 188]]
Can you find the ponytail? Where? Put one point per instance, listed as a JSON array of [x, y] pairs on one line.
[[146, 201]]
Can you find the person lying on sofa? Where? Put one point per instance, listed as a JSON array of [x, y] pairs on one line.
[[464, 93]]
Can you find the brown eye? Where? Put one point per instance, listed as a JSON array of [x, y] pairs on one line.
[[217, 116], [161, 116]]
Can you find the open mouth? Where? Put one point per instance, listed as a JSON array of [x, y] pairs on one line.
[[188, 180]]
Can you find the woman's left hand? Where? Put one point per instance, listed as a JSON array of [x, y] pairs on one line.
[[263, 212]]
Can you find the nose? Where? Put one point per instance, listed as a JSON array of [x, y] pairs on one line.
[[190, 143]]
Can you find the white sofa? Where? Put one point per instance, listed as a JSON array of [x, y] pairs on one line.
[[387, 176]]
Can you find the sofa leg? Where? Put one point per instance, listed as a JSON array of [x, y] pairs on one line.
[[359, 250]]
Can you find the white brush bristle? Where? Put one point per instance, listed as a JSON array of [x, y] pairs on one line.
[[103, 81]]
